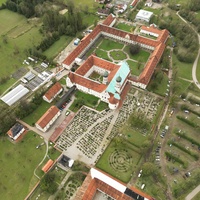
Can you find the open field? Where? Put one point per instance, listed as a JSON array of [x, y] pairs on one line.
[[18, 162], [35, 116], [57, 47], [13, 45], [184, 70], [196, 197], [2, 1]]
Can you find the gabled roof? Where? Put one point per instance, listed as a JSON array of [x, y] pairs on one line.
[[151, 29], [134, 2], [48, 116], [15, 129], [109, 20], [47, 166], [50, 94]]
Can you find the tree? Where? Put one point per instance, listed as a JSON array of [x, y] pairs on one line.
[[149, 169], [48, 183], [134, 49]]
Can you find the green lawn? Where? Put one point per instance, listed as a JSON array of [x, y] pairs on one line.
[[142, 56], [6, 85], [13, 46], [108, 45], [184, 70], [102, 106], [161, 88], [18, 162], [83, 99], [57, 47], [89, 3], [183, 85], [2, 1], [118, 55], [102, 54], [125, 27], [35, 116], [134, 68], [105, 163]]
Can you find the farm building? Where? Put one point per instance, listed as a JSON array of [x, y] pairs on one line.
[[143, 15], [15, 94], [98, 184], [53, 92], [16, 131], [48, 119]]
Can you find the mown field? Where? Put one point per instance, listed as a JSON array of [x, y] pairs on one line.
[[17, 165]]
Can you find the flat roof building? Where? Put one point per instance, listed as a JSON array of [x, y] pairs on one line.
[[143, 15], [15, 94]]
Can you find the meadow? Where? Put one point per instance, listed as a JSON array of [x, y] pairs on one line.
[[18, 161]]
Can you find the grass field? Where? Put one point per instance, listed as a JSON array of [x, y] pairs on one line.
[[13, 47], [102, 54], [2, 1], [118, 55], [196, 197], [184, 69], [18, 162], [108, 45], [104, 162], [142, 56], [33, 117], [134, 68], [57, 47], [83, 99], [125, 27]]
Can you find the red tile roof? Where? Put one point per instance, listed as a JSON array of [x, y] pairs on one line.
[[109, 20], [47, 166], [104, 28], [134, 3], [53, 91], [151, 29], [80, 80], [48, 116]]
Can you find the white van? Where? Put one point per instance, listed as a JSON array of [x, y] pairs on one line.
[[143, 185], [186, 111]]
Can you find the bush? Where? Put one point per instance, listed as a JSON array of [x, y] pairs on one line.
[[169, 155]]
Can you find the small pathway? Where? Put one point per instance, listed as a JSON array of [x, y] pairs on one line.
[[193, 193]]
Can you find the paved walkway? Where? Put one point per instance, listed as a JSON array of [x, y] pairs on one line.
[[193, 193]]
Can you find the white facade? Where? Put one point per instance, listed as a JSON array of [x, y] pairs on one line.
[[50, 100], [48, 124], [144, 15]]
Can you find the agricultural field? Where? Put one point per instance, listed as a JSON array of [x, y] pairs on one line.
[[18, 162], [17, 35]]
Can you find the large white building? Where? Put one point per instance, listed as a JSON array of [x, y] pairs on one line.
[[143, 15]]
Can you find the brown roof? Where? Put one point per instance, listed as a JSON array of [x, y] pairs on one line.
[[80, 80], [48, 115], [134, 2], [151, 29], [53, 91], [109, 20], [47, 165]]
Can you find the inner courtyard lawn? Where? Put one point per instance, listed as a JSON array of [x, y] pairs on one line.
[[17, 165], [142, 56], [135, 67], [102, 54], [118, 55], [108, 45]]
